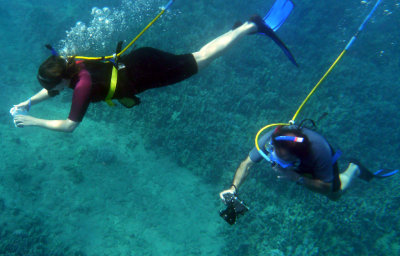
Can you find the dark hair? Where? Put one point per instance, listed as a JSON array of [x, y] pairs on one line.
[[298, 149], [56, 68]]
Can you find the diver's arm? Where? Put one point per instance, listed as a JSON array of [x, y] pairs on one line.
[[242, 172], [35, 99], [54, 125], [240, 175], [316, 185], [40, 96]]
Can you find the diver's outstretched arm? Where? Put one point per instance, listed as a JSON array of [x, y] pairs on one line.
[[54, 125], [42, 95], [241, 173]]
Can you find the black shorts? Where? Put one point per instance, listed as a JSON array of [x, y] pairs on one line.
[[336, 185], [149, 68]]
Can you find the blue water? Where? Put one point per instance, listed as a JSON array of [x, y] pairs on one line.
[[145, 181]]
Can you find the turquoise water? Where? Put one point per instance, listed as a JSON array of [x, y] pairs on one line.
[[145, 181]]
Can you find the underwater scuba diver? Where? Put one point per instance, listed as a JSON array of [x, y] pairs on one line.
[[142, 69], [303, 156]]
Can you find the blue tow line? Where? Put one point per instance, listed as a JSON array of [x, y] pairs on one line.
[[362, 25], [168, 4]]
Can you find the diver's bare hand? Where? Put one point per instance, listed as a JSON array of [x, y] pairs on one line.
[[26, 105], [24, 120], [288, 174], [232, 191]]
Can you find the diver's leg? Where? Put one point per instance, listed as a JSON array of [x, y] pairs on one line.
[[216, 48], [347, 176]]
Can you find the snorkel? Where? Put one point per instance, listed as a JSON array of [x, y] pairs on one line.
[[53, 52]]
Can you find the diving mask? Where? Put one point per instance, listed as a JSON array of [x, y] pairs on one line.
[[274, 159]]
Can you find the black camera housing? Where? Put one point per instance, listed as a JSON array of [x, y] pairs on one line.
[[235, 207]]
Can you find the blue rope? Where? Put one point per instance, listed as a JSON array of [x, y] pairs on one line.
[[362, 25], [168, 4]]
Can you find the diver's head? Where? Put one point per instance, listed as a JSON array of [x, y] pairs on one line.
[[51, 72], [290, 143], [54, 70]]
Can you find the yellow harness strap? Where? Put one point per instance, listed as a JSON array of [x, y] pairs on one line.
[[113, 85]]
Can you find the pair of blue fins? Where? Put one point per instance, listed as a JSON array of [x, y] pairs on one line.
[[271, 22]]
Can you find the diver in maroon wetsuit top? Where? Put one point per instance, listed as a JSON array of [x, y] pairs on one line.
[[143, 69]]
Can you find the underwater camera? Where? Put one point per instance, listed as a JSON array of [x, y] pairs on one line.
[[235, 207]]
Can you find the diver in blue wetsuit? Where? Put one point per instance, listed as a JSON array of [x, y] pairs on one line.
[[303, 156]]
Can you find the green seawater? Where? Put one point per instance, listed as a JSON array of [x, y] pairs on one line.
[[145, 181]]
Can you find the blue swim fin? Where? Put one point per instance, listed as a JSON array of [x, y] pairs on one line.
[[366, 175], [263, 28], [275, 18], [278, 14], [284, 48], [383, 173]]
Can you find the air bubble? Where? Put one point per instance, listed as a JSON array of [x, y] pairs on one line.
[[387, 12], [98, 12], [93, 10], [97, 37], [106, 11]]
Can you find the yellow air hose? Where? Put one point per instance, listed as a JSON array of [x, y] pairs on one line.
[[351, 41]]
